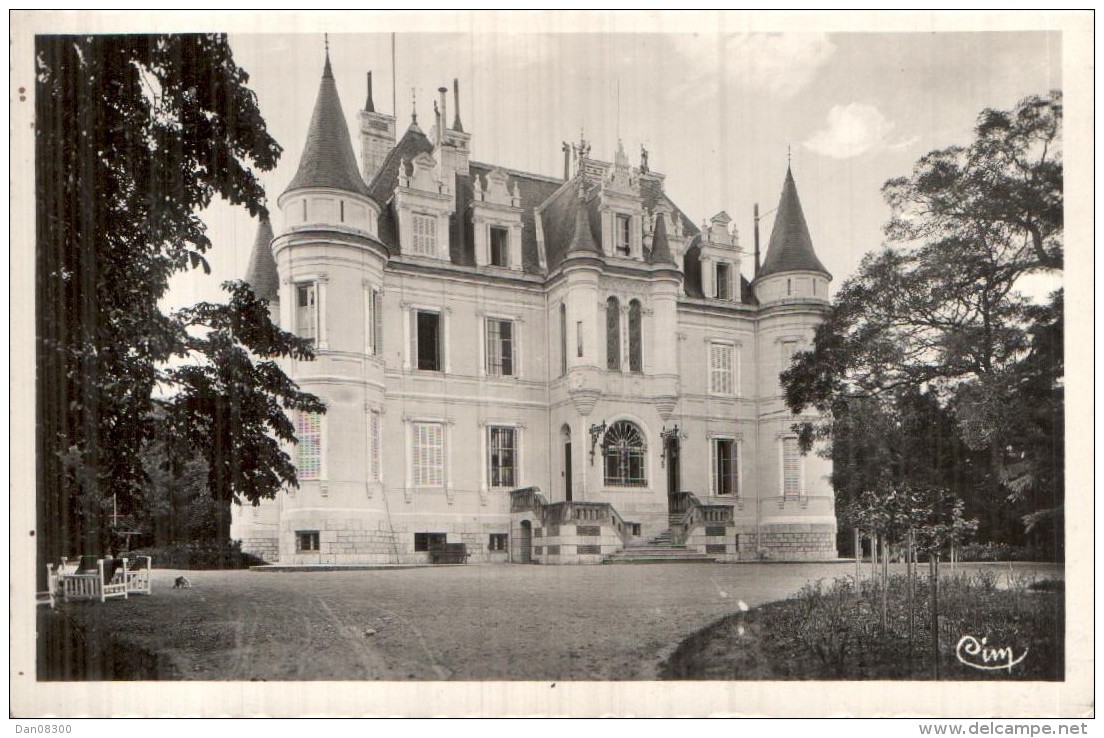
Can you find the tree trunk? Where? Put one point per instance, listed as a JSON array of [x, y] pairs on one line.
[[858, 555], [933, 561], [885, 585], [909, 571]]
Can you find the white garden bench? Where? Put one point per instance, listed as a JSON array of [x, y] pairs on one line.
[[110, 578]]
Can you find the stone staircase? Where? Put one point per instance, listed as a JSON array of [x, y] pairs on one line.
[[658, 550]]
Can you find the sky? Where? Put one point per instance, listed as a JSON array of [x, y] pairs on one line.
[[718, 112]]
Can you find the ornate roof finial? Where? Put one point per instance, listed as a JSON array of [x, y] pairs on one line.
[[413, 106], [789, 156], [327, 71]]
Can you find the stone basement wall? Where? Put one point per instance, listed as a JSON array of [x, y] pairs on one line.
[[263, 547], [568, 543], [357, 540], [789, 542], [799, 542]]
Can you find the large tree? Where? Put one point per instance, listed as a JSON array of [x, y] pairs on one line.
[[939, 313], [135, 136]]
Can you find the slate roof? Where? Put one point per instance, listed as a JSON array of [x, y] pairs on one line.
[[561, 216], [328, 159], [790, 248], [382, 188], [261, 274]]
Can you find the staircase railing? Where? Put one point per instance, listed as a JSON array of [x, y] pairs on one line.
[[558, 513], [694, 513]]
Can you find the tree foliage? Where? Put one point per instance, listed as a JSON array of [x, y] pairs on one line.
[[135, 135], [931, 365]]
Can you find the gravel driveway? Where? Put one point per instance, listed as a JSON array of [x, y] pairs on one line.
[[463, 622]]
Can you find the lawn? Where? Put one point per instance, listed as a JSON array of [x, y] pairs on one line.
[[475, 622]]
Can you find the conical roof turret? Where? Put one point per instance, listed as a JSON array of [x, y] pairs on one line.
[[790, 248], [261, 274], [328, 159], [661, 249], [583, 239]]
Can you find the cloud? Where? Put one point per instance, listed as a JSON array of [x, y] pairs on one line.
[[853, 130], [776, 64]]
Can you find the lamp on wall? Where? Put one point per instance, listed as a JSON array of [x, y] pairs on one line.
[[668, 435], [596, 431]]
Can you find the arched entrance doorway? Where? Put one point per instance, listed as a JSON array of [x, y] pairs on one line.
[[525, 543]]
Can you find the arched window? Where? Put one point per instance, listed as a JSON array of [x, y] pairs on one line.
[[636, 354], [613, 335], [623, 450]]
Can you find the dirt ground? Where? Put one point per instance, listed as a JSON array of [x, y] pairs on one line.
[[474, 622]]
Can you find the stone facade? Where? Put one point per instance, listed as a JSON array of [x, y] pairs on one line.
[[479, 330]]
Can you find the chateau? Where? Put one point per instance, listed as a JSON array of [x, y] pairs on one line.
[[552, 370]]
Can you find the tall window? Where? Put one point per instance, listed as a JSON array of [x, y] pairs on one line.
[[500, 241], [723, 281], [791, 468], [787, 351], [636, 353], [613, 334], [500, 348], [373, 322], [725, 477], [722, 369], [429, 455], [623, 450], [308, 453], [563, 339], [426, 341], [306, 313], [425, 234], [501, 457], [623, 228]]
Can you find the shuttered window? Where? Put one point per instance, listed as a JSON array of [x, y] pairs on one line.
[[791, 468], [724, 467], [429, 455], [425, 234], [500, 348], [721, 369], [502, 456], [308, 453], [373, 323], [613, 334], [636, 351], [374, 432], [306, 313]]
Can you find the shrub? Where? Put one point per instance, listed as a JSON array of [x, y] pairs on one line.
[[197, 555], [992, 551]]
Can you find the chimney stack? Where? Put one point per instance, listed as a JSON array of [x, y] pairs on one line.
[[441, 125], [456, 124], [369, 106]]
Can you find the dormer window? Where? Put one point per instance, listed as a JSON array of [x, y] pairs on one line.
[[724, 278], [500, 246], [623, 227], [425, 234]]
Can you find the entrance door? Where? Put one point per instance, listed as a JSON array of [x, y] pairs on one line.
[[672, 456], [525, 543], [567, 470]]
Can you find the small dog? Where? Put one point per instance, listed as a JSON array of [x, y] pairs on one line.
[[182, 583]]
